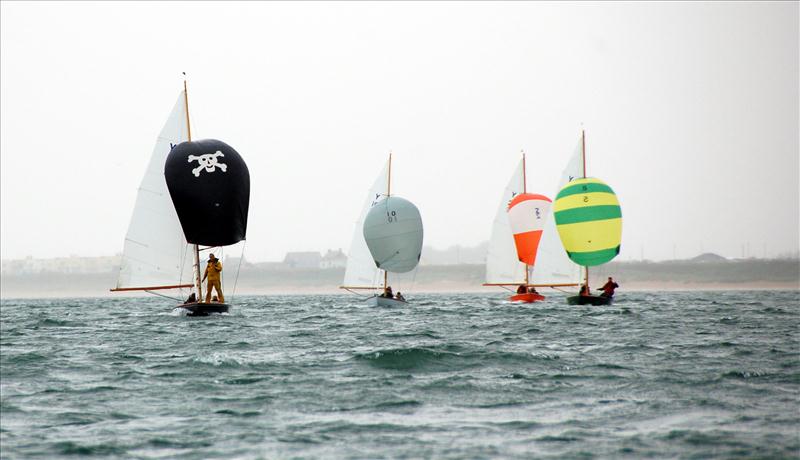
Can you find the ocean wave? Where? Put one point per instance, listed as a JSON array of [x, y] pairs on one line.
[[409, 358], [448, 357], [745, 374], [73, 448], [25, 358]]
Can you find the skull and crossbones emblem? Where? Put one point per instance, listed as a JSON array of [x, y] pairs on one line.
[[208, 162]]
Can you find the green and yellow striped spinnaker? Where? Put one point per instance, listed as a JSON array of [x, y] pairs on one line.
[[589, 221]]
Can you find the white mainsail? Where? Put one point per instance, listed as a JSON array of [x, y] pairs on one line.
[[552, 264], [361, 270], [502, 263], [393, 232], [155, 251]]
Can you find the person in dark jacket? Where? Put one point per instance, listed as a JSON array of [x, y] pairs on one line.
[[608, 288]]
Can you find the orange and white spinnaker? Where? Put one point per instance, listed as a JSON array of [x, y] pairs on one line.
[[527, 214]]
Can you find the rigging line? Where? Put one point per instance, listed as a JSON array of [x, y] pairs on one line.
[[356, 293], [183, 265], [236, 279], [165, 296], [414, 278]]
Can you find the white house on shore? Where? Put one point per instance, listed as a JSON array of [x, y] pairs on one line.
[[334, 259]]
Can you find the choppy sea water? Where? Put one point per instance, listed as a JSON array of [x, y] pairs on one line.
[[687, 375]]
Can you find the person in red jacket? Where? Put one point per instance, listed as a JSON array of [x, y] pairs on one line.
[[608, 288]]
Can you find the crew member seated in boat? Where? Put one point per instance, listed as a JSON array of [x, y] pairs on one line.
[[608, 288], [521, 289], [387, 292], [532, 290], [213, 270], [191, 299], [400, 297], [585, 291]]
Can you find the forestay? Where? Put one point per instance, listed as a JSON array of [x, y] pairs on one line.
[[393, 232], [155, 251], [361, 270], [502, 264]]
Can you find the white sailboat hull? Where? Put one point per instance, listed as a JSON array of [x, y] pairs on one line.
[[376, 301]]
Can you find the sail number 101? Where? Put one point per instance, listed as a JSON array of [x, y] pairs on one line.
[[391, 216]]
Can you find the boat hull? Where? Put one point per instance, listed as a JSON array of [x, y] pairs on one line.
[[526, 298], [377, 301], [204, 309], [589, 300]]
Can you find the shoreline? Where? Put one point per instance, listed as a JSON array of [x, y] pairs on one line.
[[443, 288]]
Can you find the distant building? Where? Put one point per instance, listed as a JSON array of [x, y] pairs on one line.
[[240, 262], [333, 259], [71, 264], [302, 259]]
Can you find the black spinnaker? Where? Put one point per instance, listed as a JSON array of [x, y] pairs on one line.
[[210, 187]]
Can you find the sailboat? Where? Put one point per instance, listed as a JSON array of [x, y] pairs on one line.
[[387, 238], [589, 222], [524, 251], [193, 194]]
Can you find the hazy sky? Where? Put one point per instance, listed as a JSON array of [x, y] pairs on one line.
[[690, 110]]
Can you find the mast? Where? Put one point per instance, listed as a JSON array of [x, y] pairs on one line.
[[583, 155], [388, 194], [524, 175], [195, 248], [525, 190]]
